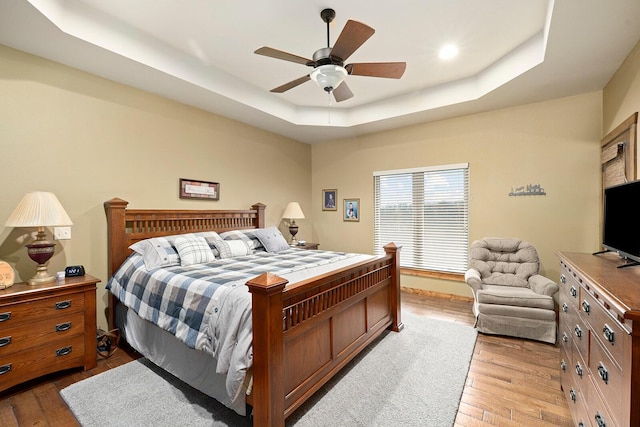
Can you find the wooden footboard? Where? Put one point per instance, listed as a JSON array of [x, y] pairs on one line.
[[303, 333]]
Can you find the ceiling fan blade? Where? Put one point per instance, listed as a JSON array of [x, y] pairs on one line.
[[353, 35], [389, 70], [278, 54], [285, 87], [342, 92]]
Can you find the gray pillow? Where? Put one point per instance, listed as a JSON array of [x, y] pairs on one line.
[[272, 239]]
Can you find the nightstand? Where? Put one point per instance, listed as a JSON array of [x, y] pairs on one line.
[[47, 328], [308, 245]]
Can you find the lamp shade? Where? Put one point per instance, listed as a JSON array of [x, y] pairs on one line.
[[39, 209], [293, 211]]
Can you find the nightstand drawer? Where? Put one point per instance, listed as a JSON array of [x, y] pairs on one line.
[[29, 335], [36, 309], [63, 354]]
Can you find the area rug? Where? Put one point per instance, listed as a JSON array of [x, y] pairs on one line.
[[411, 378]]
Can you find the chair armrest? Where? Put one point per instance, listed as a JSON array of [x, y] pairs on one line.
[[473, 279], [543, 285]]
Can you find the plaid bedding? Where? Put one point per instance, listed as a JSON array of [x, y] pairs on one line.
[[207, 306]]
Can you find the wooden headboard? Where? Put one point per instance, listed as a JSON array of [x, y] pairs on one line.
[[127, 226]]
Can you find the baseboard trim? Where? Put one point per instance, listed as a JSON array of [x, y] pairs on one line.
[[434, 294]]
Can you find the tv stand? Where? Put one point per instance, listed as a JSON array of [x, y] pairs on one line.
[[601, 252], [628, 263], [599, 330]]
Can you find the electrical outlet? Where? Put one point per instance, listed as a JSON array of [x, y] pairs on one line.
[[62, 233]]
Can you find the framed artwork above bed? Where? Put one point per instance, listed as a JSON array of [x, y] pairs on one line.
[[194, 189]]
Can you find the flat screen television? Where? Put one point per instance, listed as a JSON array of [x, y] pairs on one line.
[[621, 228]]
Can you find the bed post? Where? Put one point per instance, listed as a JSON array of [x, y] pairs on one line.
[[115, 209], [260, 208], [268, 350], [394, 289]]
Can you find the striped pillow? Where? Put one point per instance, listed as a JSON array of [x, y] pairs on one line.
[[193, 250]]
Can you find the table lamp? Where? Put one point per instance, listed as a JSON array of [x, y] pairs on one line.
[[293, 212], [40, 209]]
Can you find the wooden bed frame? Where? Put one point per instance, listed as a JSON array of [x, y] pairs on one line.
[[303, 334]]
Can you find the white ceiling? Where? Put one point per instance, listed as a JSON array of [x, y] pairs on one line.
[[200, 52]]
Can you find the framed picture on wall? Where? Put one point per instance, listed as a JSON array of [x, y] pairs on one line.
[[351, 210], [329, 198], [194, 189]]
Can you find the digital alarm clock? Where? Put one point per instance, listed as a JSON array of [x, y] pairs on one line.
[[74, 271]]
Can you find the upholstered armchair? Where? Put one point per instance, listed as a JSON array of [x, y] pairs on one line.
[[511, 298]]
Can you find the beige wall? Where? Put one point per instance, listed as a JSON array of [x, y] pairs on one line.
[[88, 139], [554, 144], [621, 96]]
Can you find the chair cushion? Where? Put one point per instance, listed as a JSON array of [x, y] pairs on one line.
[[513, 296], [504, 262]]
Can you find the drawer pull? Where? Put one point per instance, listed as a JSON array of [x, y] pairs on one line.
[[5, 368], [62, 305], [579, 369], [600, 421], [604, 374], [61, 327], [5, 316], [565, 307], [578, 331], [581, 424], [572, 393], [565, 337], [573, 291], [5, 341], [609, 334], [63, 351], [563, 278], [563, 365], [586, 307]]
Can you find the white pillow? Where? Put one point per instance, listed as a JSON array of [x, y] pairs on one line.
[[233, 248], [193, 250], [239, 247], [157, 252], [272, 239]]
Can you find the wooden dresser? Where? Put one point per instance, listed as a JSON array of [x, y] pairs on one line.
[[47, 328], [599, 332]]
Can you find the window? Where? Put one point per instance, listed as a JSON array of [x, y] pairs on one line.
[[426, 211]]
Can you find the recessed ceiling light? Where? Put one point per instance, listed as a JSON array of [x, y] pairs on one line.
[[448, 51]]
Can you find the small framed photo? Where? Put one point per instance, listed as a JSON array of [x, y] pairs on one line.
[[194, 189], [351, 210], [329, 198]]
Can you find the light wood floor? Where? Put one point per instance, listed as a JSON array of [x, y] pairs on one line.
[[511, 382]]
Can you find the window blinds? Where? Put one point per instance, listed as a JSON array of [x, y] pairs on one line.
[[426, 211]]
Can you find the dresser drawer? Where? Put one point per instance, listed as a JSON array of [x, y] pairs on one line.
[[580, 336], [37, 309], [580, 372], [23, 336], [62, 354], [566, 324], [597, 412], [608, 376], [607, 329], [569, 286]]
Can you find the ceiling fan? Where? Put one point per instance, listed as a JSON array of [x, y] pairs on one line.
[[329, 70]]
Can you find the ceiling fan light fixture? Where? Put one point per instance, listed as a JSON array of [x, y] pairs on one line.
[[329, 76]]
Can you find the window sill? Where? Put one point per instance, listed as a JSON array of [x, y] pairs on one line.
[[458, 277]]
